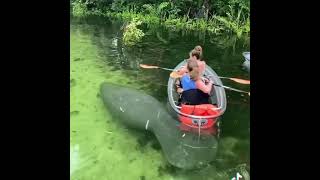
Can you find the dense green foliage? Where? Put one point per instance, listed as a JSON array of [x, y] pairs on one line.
[[131, 33], [215, 16], [79, 9]]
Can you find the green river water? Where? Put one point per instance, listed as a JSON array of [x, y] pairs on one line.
[[101, 148]]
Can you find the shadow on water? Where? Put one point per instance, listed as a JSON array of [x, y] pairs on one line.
[[166, 48]]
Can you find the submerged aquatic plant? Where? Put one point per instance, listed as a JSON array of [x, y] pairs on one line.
[[132, 34]]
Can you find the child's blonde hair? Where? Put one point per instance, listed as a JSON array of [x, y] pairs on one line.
[[193, 69]]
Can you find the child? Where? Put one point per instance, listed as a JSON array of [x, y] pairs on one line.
[[195, 91]]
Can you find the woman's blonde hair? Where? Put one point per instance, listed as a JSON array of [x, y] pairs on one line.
[[193, 69], [199, 48], [196, 53]]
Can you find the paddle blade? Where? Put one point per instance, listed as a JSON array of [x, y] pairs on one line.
[[148, 67], [175, 75], [241, 81]]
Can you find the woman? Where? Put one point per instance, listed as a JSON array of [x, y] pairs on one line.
[[195, 54], [199, 48], [195, 91]]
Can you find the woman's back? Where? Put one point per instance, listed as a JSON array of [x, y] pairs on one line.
[[194, 97]]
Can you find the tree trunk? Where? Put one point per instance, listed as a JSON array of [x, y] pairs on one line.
[[206, 5]]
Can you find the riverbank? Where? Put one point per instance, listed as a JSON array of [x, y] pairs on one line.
[[233, 23]]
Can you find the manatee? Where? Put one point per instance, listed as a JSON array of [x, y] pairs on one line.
[[136, 109]]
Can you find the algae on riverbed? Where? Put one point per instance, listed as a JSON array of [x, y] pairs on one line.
[[100, 148]]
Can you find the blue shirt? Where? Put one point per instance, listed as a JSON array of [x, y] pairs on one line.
[[187, 83]]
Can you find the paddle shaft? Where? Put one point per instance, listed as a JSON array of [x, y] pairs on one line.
[[226, 87], [166, 69], [173, 70], [230, 88]]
